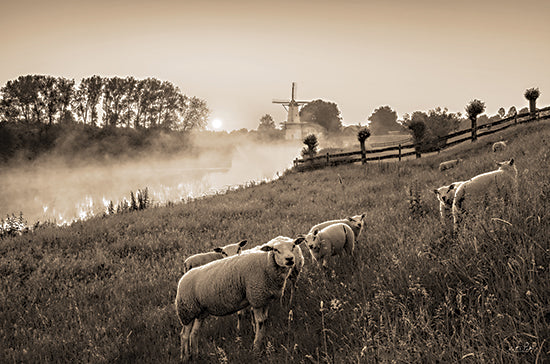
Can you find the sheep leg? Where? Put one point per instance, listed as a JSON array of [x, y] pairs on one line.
[[260, 316], [194, 338], [184, 336], [240, 315]]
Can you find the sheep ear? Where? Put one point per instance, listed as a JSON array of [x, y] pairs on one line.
[[363, 216], [266, 248], [315, 232], [451, 186], [218, 250], [243, 243], [511, 162], [299, 240], [436, 191]]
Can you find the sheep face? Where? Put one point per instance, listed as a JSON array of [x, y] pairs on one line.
[[508, 166], [315, 245], [231, 249], [445, 194], [283, 250], [357, 223]]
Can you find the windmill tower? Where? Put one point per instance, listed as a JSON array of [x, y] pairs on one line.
[[294, 128]]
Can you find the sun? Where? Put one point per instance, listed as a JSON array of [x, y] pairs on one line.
[[217, 124]]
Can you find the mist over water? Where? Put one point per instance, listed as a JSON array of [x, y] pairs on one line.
[[56, 192]]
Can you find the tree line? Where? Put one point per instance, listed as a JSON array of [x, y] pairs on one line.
[[101, 101]]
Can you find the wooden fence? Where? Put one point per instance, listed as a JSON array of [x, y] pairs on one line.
[[404, 150]]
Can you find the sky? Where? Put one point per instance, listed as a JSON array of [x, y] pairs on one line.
[[239, 55]]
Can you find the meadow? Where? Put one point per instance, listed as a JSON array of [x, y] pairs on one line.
[[102, 290]]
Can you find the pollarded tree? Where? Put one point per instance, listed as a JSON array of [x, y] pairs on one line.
[[532, 94], [311, 146], [362, 135], [473, 109]]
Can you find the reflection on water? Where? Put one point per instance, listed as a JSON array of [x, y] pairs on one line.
[[63, 194]]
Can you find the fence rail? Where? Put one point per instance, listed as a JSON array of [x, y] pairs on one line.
[[409, 149]]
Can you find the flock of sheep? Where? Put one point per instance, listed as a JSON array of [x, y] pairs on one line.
[[230, 279]]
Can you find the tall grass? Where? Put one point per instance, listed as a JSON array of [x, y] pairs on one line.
[[102, 290]]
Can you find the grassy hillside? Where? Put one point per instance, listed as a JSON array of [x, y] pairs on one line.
[[103, 290]]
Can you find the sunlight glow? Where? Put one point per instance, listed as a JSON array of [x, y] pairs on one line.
[[217, 124]]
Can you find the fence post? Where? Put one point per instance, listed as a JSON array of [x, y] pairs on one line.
[[363, 153], [328, 159], [400, 152], [474, 128]]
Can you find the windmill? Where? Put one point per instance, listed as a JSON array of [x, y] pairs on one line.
[[292, 106]]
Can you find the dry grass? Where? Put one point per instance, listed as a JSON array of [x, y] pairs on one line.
[[103, 290]]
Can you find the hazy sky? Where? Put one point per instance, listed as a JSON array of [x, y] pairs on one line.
[[238, 55]]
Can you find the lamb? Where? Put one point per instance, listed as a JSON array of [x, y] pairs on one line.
[[225, 286], [356, 223], [218, 253], [445, 195], [499, 146], [497, 183], [449, 164], [331, 240]]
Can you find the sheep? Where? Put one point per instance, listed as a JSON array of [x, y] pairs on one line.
[[356, 223], [293, 275], [499, 146], [218, 253], [331, 240], [445, 195], [228, 285], [449, 164], [496, 183]]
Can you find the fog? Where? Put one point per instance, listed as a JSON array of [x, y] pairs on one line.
[[50, 190]]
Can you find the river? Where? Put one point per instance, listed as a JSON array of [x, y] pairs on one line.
[[58, 193]]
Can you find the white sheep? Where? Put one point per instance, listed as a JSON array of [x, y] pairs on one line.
[[499, 146], [225, 286], [199, 259], [293, 275], [479, 189], [356, 223], [331, 240], [449, 164], [445, 195]]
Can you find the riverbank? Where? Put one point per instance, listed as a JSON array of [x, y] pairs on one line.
[[102, 290]]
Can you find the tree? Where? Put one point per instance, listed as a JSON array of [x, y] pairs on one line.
[[532, 94], [429, 129], [266, 123], [311, 146], [501, 112], [21, 97], [87, 98], [194, 115], [66, 94], [323, 113], [49, 90], [473, 109], [383, 120]]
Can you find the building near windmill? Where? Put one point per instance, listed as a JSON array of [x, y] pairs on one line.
[[293, 127]]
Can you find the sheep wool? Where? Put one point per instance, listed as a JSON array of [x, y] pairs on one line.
[[225, 286], [484, 188], [331, 240]]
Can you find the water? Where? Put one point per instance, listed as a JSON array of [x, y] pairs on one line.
[[58, 193]]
